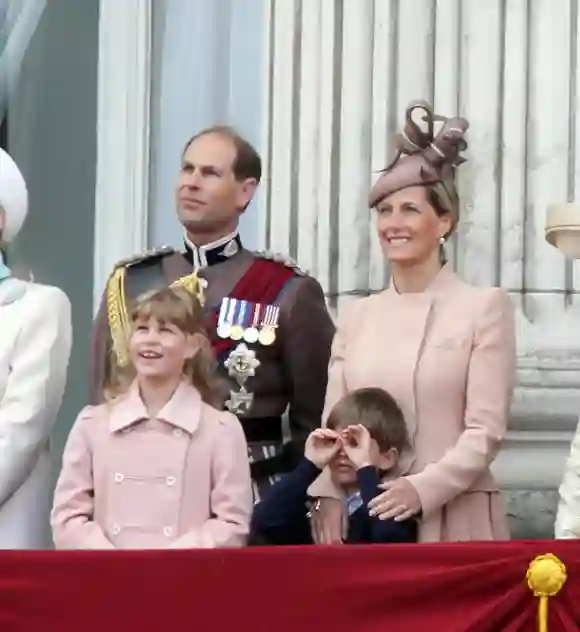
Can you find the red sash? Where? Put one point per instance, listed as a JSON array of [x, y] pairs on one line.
[[262, 283]]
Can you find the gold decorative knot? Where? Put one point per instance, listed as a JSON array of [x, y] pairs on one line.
[[546, 576], [193, 284]]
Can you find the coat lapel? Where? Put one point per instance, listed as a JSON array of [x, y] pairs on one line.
[[408, 319]]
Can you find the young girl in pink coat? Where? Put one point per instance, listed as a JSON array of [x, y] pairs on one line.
[[158, 465]]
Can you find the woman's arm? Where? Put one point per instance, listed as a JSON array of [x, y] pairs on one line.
[[568, 515], [72, 519], [489, 388], [36, 383], [231, 499]]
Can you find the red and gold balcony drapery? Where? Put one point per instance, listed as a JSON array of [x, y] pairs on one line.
[[400, 588]]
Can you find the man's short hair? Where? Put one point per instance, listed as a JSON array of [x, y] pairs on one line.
[[377, 411], [247, 163]]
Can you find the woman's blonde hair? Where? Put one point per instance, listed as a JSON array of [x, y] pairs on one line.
[[444, 198], [182, 309]]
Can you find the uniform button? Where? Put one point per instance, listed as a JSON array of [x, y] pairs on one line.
[[119, 477], [116, 529], [177, 432], [170, 480], [167, 532]]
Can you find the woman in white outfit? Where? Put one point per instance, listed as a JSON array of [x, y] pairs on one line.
[[568, 516], [35, 341]]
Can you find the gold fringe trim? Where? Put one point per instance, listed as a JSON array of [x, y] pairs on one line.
[[118, 316]]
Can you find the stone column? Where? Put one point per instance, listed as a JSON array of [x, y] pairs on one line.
[[123, 129], [339, 76]]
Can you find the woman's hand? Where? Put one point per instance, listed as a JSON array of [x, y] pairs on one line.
[[329, 522], [399, 502]]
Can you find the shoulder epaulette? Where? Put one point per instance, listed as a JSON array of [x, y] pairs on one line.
[[281, 258], [152, 253]]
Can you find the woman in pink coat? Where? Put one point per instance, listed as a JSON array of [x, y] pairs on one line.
[[158, 466], [444, 349]]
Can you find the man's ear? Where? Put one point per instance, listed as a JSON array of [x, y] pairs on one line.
[[247, 190]]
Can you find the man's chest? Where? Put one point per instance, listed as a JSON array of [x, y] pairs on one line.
[[243, 322]]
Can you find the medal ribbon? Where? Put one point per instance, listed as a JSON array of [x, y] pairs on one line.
[[262, 283]]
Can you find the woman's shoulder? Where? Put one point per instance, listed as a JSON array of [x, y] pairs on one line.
[[482, 297], [48, 298], [48, 293], [484, 307]]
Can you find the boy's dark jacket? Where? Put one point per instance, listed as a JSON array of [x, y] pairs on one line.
[[281, 517]]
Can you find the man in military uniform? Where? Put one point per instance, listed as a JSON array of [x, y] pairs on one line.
[[267, 321]]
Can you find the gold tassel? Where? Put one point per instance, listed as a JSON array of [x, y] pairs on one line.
[[118, 317], [546, 576]]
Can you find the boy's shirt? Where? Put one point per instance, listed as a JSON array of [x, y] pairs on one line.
[[281, 517]]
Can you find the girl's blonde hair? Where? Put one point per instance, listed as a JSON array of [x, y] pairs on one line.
[[182, 309]]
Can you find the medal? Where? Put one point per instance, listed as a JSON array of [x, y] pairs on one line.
[[229, 307], [237, 329], [223, 329], [267, 334], [251, 335]]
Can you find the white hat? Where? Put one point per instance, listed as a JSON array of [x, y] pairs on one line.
[[13, 197]]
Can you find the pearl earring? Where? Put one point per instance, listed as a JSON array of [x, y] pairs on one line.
[[442, 239]]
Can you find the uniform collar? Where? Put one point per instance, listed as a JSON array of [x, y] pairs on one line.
[[214, 252], [183, 410]]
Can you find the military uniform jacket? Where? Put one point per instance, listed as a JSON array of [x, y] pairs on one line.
[[288, 375]]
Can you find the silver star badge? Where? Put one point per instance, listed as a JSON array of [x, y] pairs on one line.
[[242, 363]]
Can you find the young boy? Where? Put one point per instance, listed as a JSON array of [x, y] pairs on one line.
[[361, 442]]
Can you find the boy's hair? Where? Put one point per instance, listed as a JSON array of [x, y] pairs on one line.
[[378, 412], [182, 309]]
